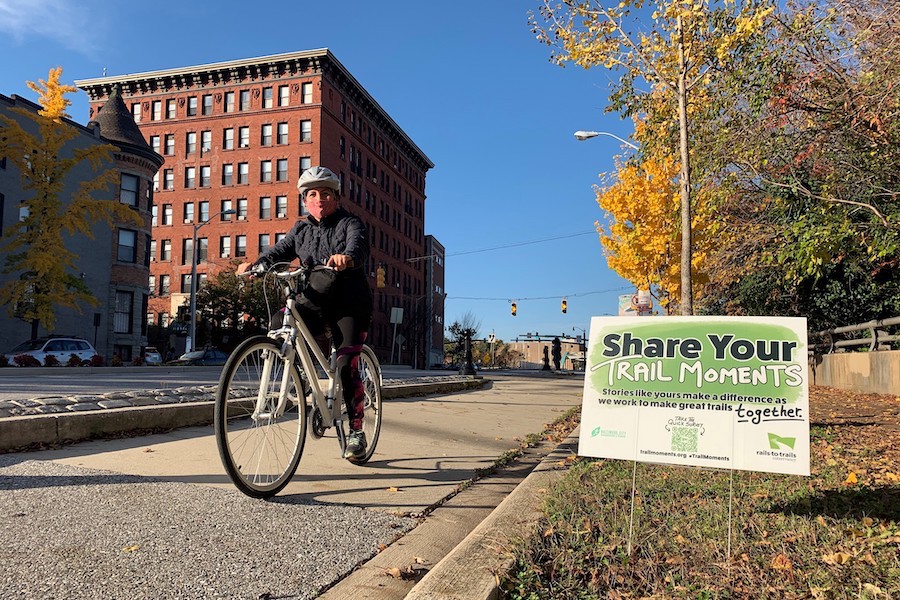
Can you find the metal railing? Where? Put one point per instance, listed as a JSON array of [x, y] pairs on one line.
[[878, 337]]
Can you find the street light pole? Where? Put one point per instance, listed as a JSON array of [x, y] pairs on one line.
[[586, 135], [193, 309]]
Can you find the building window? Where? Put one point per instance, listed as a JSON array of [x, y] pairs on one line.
[[265, 207], [190, 142], [242, 209], [228, 139], [281, 207], [244, 137], [267, 97], [265, 171], [166, 250], [284, 96], [283, 134], [245, 100], [265, 137], [152, 251], [151, 285], [170, 109], [226, 205], [207, 104], [136, 112], [190, 177], [154, 143], [170, 144], [240, 245], [124, 310], [127, 250], [225, 247], [164, 317], [243, 173], [204, 211], [306, 93], [305, 131], [202, 249], [156, 114], [167, 214], [128, 189], [169, 176], [227, 174], [205, 141], [186, 283], [305, 163], [229, 102], [187, 251], [204, 176], [282, 169], [263, 242], [279, 237], [192, 106], [164, 284], [154, 216], [188, 212]]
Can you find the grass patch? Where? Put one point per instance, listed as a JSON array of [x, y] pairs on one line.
[[832, 535]]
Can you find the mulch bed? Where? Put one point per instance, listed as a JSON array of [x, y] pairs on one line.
[[834, 407]]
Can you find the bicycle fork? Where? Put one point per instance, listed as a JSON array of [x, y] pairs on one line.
[[264, 411]]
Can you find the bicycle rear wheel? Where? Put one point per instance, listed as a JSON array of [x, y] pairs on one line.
[[260, 438], [370, 373]]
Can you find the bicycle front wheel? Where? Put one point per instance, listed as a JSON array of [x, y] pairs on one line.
[[260, 417], [370, 373]]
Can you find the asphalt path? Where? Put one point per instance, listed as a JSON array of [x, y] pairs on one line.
[[156, 516]]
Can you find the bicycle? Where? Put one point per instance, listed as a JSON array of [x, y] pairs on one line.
[[261, 406]]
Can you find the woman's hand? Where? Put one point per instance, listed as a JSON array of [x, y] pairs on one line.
[[339, 262]]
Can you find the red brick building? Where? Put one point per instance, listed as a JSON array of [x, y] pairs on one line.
[[236, 135]]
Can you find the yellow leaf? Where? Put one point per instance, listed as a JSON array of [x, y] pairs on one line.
[[130, 548], [868, 521], [680, 539], [837, 559], [393, 490], [851, 479], [781, 562], [821, 521]]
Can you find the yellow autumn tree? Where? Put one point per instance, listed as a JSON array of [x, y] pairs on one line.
[[672, 50], [642, 239], [41, 268]]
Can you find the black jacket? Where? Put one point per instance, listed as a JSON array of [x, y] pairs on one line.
[[313, 242]]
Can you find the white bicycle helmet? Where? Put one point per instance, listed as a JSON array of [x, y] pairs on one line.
[[318, 177]]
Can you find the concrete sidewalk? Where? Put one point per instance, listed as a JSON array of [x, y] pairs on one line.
[[166, 497]]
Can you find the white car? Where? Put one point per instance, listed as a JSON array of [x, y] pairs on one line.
[[152, 356], [60, 347]]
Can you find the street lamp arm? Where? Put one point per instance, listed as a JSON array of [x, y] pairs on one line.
[[586, 135]]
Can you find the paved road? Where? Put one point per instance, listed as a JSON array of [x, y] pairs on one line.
[[156, 517], [18, 383]]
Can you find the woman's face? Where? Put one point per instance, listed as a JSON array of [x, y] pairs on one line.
[[321, 202]]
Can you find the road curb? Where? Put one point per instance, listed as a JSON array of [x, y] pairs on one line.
[[470, 571], [34, 431]]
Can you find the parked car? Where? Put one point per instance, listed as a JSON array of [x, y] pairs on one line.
[[60, 347], [206, 357], [152, 356]]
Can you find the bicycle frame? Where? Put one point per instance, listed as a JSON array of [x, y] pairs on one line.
[[307, 350]]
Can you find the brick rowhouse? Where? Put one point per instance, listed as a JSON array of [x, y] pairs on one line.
[[236, 135]]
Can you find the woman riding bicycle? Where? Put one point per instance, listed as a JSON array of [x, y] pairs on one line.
[[338, 307]]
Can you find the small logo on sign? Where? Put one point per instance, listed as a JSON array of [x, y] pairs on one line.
[[776, 442]]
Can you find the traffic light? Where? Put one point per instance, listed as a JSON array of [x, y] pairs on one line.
[[379, 277], [565, 305], [513, 309]]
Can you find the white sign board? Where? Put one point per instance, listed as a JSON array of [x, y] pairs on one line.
[[724, 392], [396, 315]]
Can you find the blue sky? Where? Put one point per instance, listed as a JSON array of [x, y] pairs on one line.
[[468, 83]]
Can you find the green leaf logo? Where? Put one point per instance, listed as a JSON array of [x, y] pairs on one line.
[[596, 431], [776, 442]]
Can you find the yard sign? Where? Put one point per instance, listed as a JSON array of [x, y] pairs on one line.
[[724, 392]]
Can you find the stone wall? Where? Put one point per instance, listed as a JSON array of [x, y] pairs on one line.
[[868, 372]]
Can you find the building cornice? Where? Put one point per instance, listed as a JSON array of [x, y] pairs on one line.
[[320, 61]]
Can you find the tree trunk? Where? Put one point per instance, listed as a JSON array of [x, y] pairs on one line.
[[687, 296]]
